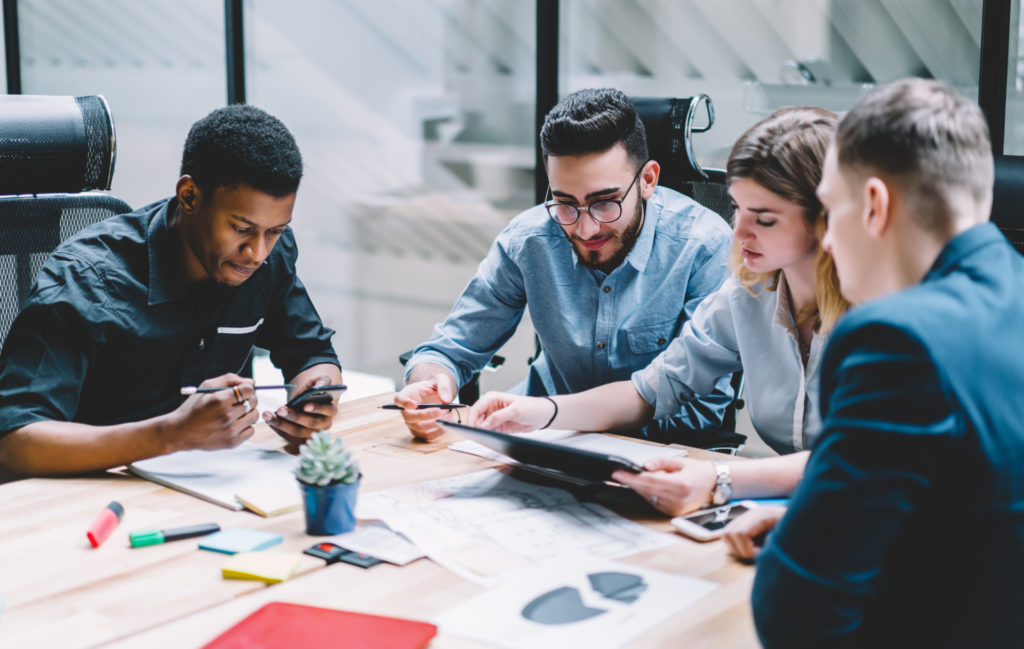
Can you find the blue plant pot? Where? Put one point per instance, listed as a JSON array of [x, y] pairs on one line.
[[331, 509]]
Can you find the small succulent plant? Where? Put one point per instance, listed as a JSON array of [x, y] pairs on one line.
[[324, 461]]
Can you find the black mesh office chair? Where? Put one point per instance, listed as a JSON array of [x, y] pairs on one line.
[[53, 152], [670, 123], [1008, 199]]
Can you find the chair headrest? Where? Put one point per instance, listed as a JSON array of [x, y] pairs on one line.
[[1008, 193], [669, 122], [55, 144]]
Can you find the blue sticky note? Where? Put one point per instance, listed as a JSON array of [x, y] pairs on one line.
[[239, 539]]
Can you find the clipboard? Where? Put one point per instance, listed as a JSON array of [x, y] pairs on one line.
[[576, 465]]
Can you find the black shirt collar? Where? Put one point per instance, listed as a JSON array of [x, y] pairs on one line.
[[166, 275]]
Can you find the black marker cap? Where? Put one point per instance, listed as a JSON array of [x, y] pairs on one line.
[[116, 507]]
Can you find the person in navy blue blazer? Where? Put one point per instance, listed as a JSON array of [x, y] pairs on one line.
[[908, 527]]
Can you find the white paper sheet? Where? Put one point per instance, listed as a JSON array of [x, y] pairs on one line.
[[378, 540], [216, 476], [484, 525], [583, 603]]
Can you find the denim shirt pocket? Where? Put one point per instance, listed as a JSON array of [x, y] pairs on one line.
[[647, 341]]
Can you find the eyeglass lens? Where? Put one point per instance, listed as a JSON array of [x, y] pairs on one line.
[[605, 211]]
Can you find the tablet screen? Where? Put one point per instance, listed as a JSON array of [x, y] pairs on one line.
[[574, 462]]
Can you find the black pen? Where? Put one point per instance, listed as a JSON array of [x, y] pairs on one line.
[[191, 389], [425, 406]]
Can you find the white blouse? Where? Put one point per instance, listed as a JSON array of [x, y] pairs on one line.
[[735, 329]]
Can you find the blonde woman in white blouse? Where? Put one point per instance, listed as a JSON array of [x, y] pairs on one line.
[[769, 319]]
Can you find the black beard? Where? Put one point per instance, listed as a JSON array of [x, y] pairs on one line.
[[588, 258]]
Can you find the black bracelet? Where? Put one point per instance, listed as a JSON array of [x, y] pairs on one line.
[[550, 421]]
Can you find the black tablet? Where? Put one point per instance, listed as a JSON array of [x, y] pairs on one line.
[[551, 456]]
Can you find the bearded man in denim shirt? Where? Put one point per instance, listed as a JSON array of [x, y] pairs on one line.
[[611, 265]]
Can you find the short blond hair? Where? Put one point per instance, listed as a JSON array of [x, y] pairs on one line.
[[925, 137], [784, 153]]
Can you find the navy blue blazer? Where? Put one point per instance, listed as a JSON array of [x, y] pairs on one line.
[[908, 527]]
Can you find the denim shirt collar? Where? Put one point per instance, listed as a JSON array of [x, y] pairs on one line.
[[644, 244], [641, 251], [166, 281]]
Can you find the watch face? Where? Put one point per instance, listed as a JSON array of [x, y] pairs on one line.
[[723, 485], [722, 494]]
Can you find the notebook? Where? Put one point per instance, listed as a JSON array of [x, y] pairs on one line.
[[216, 476], [268, 567], [278, 624]]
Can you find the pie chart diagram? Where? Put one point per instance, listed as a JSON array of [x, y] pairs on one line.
[[563, 605]]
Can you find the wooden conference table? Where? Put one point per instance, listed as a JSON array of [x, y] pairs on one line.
[[59, 592]]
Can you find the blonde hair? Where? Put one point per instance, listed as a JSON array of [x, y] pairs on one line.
[[784, 153], [928, 138]]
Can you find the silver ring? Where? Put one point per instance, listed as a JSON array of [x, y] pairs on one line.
[[248, 408], [654, 500]]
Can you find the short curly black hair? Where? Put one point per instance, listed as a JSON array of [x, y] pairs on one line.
[[242, 144], [593, 120]]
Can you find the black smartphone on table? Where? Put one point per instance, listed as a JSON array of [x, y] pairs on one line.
[[315, 394]]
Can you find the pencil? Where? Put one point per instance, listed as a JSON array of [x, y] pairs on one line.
[[424, 406], [191, 389]]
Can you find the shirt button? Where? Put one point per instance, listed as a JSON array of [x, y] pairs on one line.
[[661, 341], [600, 345], [607, 289]]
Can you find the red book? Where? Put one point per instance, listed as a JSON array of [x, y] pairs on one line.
[[276, 625]]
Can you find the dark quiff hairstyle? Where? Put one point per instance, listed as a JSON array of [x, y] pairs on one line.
[[242, 144], [926, 138], [593, 120]]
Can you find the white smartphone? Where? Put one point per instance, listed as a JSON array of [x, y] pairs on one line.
[[707, 524]]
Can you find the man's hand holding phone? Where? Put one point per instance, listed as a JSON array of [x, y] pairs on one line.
[[311, 406]]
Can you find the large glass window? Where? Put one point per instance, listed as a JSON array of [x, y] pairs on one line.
[[1013, 140], [753, 57], [416, 123], [416, 119], [3, 68], [160, 66]]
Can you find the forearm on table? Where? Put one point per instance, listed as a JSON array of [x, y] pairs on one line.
[[609, 407], [769, 477], [427, 371], [60, 447]]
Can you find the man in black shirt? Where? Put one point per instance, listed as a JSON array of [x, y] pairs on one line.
[[128, 311]]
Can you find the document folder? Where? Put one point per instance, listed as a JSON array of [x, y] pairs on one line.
[[279, 624]]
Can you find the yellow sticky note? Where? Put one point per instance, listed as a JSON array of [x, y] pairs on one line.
[[269, 567], [271, 499]]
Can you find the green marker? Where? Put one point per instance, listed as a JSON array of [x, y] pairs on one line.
[[143, 538]]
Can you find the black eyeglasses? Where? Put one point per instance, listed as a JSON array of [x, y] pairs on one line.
[[603, 211]]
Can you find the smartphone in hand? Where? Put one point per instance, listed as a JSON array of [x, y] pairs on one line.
[[707, 524], [316, 394]]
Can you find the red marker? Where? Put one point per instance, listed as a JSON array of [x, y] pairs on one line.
[[105, 523]]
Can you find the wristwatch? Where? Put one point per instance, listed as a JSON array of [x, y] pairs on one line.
[[722, 493]]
